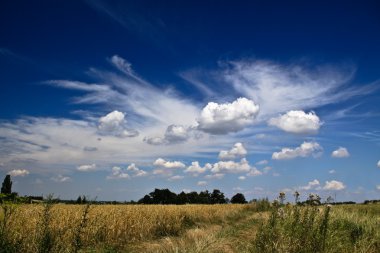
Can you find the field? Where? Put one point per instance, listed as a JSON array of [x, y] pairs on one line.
[[189, 228]]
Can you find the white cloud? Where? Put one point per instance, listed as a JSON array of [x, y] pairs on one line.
[[166, 168], [161, 163], [229, 117], [231, 166], [175, 178], [378, 187], [297, 122], [114, 123], [311, 185], [173, 134], [262, 162], [176, 133], [332, 171], [242, 178], [378, 164], [306, 149], [87, 167], [340, 153], [118, 173], [215, 176], [61, 179], [334, 185], [142, 101], [253, 172], [202, 183], [18, 172], [196, 169], [136, 171], [236, 151], [280, 88], [235, 189]]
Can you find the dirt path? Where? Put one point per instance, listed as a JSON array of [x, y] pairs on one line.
[[234, 235]]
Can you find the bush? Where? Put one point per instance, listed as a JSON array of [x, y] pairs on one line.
[[293, 229]]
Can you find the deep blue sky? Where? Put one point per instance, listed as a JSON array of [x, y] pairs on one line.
[[174, 46]]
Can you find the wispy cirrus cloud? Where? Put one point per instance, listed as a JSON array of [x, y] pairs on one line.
[[279, 88]]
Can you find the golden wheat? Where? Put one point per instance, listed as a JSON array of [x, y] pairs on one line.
[[112, 226]]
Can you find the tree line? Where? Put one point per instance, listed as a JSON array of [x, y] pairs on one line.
[[165, 196], [158, 196]]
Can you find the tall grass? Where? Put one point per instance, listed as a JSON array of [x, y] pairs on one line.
[[318, 229], [74, 228]]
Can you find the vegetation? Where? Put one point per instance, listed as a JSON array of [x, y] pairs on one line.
[[6, 187], [238, 198], [256, 227], [165, 197]]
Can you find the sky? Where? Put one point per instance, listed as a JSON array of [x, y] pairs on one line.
[[111, 99]]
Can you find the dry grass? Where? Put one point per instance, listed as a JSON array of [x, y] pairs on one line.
[[108, 226], [182, 228]]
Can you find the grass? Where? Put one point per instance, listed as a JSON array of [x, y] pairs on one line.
[[255, 227]]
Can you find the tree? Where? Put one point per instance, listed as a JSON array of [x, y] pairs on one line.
[[6, 188], [238, 198], [217, 197], [145, 200], [182, 198]]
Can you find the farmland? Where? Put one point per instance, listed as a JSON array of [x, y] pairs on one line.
[[189, 228]]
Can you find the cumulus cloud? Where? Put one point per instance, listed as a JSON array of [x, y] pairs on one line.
[[378, 164], [334, 185], [297, 122], [228, 117], [253, 172], [166, 168], [242, 178], [340, 153], [238, 150], [173, 134], [196, 169], [306, 149], [87, 167], [18, 173], [231, 166], [61, 179], [114, 123], [118, 173], [154, 140], [136, 171], [161, 163], [378, 187], [202, 183], [176, 133], [311, 185], [332, 171]]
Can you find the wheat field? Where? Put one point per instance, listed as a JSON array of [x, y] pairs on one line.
[[189, 228]]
